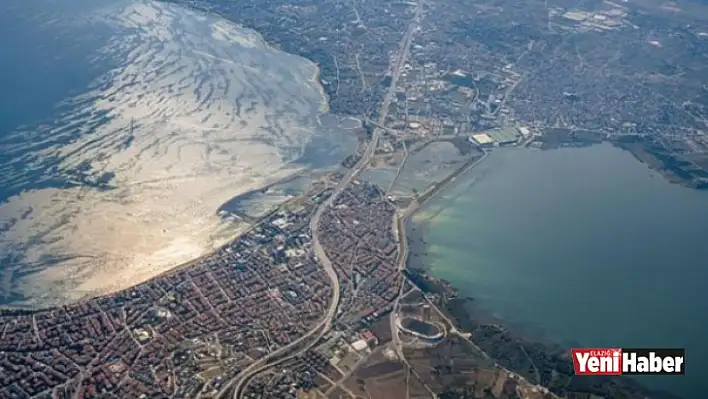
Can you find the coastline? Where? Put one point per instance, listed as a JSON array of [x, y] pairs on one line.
[[418, 250], [310, 77], [16, 310], [520, 348], [671, 165]]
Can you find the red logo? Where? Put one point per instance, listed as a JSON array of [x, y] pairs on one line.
[[597, 361]]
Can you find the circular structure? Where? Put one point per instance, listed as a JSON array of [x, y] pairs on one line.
[[421, 329]]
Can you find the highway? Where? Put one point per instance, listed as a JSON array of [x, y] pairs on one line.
[[260, 365]]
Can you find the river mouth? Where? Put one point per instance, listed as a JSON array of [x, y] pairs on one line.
[[579, 247], [161, 115]]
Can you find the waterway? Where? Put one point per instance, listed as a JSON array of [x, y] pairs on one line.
[[584, 246]]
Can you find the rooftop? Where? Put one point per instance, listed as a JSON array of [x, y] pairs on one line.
[[482, 138]]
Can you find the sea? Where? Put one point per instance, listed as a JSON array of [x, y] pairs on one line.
[[581, 247], [125, 125]]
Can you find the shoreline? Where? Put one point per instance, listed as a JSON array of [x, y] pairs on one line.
[[416, 263], [20, 302], [672, 167], [519, 348], [11, 310]]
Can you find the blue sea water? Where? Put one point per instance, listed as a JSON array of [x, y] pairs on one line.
[[125, 125], [32, 45], [43, 63]]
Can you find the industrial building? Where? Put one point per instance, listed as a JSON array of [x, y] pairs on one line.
[[497, 137], [483, 139]]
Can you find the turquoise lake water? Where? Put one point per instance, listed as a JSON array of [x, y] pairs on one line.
[[586, 246]]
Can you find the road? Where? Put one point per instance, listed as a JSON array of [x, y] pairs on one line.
[[401, 220], [325, 325], [436, 189]]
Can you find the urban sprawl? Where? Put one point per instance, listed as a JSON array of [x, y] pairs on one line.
[[318, 299]]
